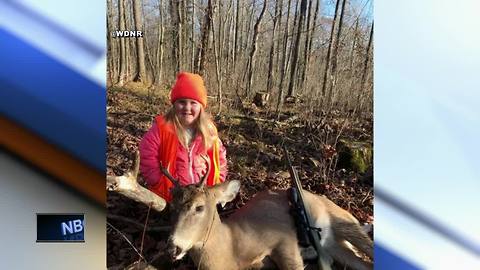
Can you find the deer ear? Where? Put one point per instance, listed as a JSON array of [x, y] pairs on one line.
[[226, 191]]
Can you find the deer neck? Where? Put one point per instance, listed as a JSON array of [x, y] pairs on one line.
[[215, 252]]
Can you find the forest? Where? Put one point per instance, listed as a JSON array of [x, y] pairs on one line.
[[294, 73]]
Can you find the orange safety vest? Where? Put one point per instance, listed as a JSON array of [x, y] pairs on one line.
[[167, 153]]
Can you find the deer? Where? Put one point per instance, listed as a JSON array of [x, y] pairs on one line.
[[262, 230]]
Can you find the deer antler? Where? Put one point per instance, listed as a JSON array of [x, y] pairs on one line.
[[204, 177], [169, 176], [128, 186], [136, 165]]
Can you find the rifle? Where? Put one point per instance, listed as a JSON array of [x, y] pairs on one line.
[[308, 235]]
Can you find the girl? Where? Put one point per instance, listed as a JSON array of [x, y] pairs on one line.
[[183, 141]]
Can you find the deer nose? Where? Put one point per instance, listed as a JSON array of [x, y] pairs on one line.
[[173, 250]]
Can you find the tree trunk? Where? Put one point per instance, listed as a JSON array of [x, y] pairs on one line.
[[249, 27], [308, 42], [272, 48], [352, 64], [160, 50], [192, 57], [111, 54], [278, 65], [151, 67], [224, 42], [130, 42], [293, 70], [327, 64], [254, 49], [229, 46], [365, 68], [123, 44], [284, 60], [235, 49], [217, 65], [220, 15], [291, 47], [183, 41], [138, 18], [333, 73], [176, 35], [179, 35], [202, 51]]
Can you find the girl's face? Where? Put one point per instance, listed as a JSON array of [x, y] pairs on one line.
[[187, 111]]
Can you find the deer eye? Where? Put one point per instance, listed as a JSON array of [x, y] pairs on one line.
[[199, 208]]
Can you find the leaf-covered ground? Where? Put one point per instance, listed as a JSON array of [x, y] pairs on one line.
[[254, 139]]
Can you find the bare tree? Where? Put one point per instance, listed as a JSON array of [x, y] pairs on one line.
[[365, 67], [235, 35], [327, 60], [160, 49], [293, 70], [352, 73], [228, 43], [334, 60], [138, 18], [284, 60], [123, 44], [192, 37], [251, 65], [112, 71], [217, 65], [182, 15], [308, 41], [202, 51], [130, 44], [176, 35], [249, 25], [278, 7]]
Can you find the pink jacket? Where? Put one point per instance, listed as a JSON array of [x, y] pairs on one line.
[[190, 165]]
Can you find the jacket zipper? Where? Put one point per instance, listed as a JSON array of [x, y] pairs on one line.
[[190, 165]]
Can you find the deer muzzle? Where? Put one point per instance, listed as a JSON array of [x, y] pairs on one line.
[[174, 251]]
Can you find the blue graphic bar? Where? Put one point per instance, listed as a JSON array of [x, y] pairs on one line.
[[53, 101], [386, 260], [60, 228]]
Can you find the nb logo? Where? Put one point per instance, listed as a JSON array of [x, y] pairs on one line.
[[72, 226]]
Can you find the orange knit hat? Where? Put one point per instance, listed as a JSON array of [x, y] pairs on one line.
[[189, 85]]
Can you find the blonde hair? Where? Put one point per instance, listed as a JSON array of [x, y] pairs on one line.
[[203, 125]]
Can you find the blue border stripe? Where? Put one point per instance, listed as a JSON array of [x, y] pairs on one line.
[[384, 259], [53, 101]]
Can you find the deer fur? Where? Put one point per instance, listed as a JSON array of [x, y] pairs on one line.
[[262, 228]]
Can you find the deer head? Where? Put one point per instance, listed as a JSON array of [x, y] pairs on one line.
[[194, 212]]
